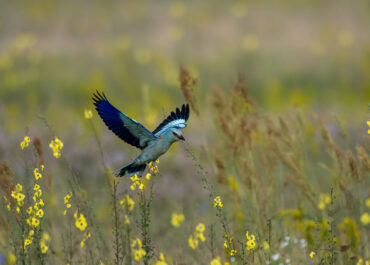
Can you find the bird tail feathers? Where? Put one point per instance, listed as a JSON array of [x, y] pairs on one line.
[[130, 170]]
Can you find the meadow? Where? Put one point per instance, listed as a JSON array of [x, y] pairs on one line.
[[275, 168]]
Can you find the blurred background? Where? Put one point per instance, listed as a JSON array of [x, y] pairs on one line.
[[313, 56]]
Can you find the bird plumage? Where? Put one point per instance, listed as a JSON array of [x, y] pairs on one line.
[[153, 144]]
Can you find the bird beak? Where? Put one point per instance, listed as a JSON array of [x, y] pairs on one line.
[[181, 137]]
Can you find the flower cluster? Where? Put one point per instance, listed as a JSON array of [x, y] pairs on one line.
[[25, 143], [128, 202], [324, 201], [29, 239], [57, 146], [153, 167], [217, 202], [45, 238], [88, 114], [66, 202], [18, 196], [228, 243], [177, 219], [198, 234], [81, 224], [35, 212], [161, 261], [37, 173], [80, 221], [251, 244], [137, 183], [137, 249]]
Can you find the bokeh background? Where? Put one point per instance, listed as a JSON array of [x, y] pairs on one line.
[[307, 56]]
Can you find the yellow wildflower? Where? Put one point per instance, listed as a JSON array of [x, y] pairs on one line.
[[35, 222], [27, 242], [161, 260], [45, 236], [36, 187], [88, 114], [324, 201], [217, 202], [233, 252], [11, 258], [193, 242], [80, 221], [37, 174], [57, 146], [368, 123], [40, 213], [177, 219], [127, 201], [136, 246], [367, 203], [312, 254], [127, 220], [216, 261], [18, 187], [251, 244], [25, 143], [43, 247], [365, 218], [266, 245]]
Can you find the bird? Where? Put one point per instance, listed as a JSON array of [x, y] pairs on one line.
[[152, 144]]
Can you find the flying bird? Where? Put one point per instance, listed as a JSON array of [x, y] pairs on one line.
[[152, 144]]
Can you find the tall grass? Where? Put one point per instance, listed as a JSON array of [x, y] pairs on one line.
[[279, 190]]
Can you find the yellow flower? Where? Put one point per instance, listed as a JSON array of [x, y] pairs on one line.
[[35, 222], [44, 248], [312, 254], [67, 197], [177, 219], [233, 252], [40, 213], [251, 244], [127, 220], [200, 228], [365, 218], [266, 245], [11, 258], [25, 142], [127, 201], [136, 246], [42, 167], [45, 236], [148, 175], [161, 260], [88, 114], [37, 174], [57, 146], [217, 202], [193, 242], [27, 242], [36, 187], [324, 200], [80, 221], [216, 261], [367, 203], [18, 187]]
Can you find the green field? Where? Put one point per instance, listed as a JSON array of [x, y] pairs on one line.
[[276, 164]]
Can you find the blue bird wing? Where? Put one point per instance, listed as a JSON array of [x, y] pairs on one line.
[[176, 119], [123, 126]]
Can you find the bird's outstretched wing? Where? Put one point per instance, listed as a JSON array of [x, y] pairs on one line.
[[175, 119], [123, 126]]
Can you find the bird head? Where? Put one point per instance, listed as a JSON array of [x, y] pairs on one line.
[[175, 135]]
